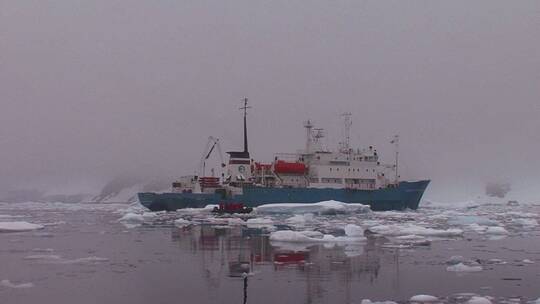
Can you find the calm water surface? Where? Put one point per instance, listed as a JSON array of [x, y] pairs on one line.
[[84, 255]]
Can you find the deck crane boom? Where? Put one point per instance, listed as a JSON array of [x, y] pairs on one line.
[[210, 146]]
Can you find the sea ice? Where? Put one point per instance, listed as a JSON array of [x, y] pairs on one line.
[[460, 267], [310, 237], [18, 226], [527, 261], [367, 301], [325, 207], [470, 219], [455, 259], [8, 283], [181, 223], [291, 236], [43, 257], [479, 300], [300, 218], [132, 218], [354, 230], [423, 298], [496, 230], [408, 229]]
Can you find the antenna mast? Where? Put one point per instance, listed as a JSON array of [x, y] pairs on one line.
[[308, 125], [347, 122], [245, 107], [395, 141]]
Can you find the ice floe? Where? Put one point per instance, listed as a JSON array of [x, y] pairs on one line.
[[56, 259], [321, 208], [411, 229], [423, 298], [353, 230], [18, 226], [311, 237], [367, 301], [181, 222], [462, 220], [496, 231], [460, 267], [9, 284], [478, 300]]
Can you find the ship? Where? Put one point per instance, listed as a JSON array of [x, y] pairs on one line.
[[310, 175]]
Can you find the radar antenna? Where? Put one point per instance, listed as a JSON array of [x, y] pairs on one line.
[[346, 143]]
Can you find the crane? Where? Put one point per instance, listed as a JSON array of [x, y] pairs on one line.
[[210, 146]]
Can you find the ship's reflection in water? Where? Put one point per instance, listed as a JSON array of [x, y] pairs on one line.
[[310, 273]]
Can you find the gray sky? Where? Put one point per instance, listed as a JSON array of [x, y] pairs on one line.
[[95, 89]]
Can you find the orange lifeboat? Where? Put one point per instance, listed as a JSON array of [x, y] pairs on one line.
[[283, 167]]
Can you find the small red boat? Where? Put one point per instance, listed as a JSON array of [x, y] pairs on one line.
[[231, 208]]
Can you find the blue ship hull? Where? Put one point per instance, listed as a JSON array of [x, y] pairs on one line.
[[405, 195]]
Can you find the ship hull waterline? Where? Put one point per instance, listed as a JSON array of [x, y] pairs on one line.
[[406, 195]]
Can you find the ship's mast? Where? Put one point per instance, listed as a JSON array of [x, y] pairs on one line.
[[245, 107], [308, 125], [395, 141], [346, 143]]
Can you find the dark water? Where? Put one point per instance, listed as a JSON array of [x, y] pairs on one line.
[[84, 255]]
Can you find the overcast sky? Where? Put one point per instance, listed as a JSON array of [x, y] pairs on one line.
[[90, 90]]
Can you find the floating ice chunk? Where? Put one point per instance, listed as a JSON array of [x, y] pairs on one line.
[[325, 207], [181, 223], [90, 259], [423, 298], [477, 228], [312, 234], [300, 218], [42, 250], [354, 230], [527, 261], [18, 226], [478, 300], [455, 259], [309, 237], [470, 219], [408, 229], [260, 221], [148, 216], [410, 237], [460, 267], [367, 301], [132, 218], [496, 231], [496, 261], [336, 239], [43, 257], [291, 236], [9, 284], [537, 301]]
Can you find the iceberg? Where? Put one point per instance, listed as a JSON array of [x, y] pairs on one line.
[[367, 301], [18, 226], [181, 223], [9, 284], [496, 231], [460, 267], [479, 300], [423, 298]]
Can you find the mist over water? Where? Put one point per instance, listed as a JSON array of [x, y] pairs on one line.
[[101, 90]]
